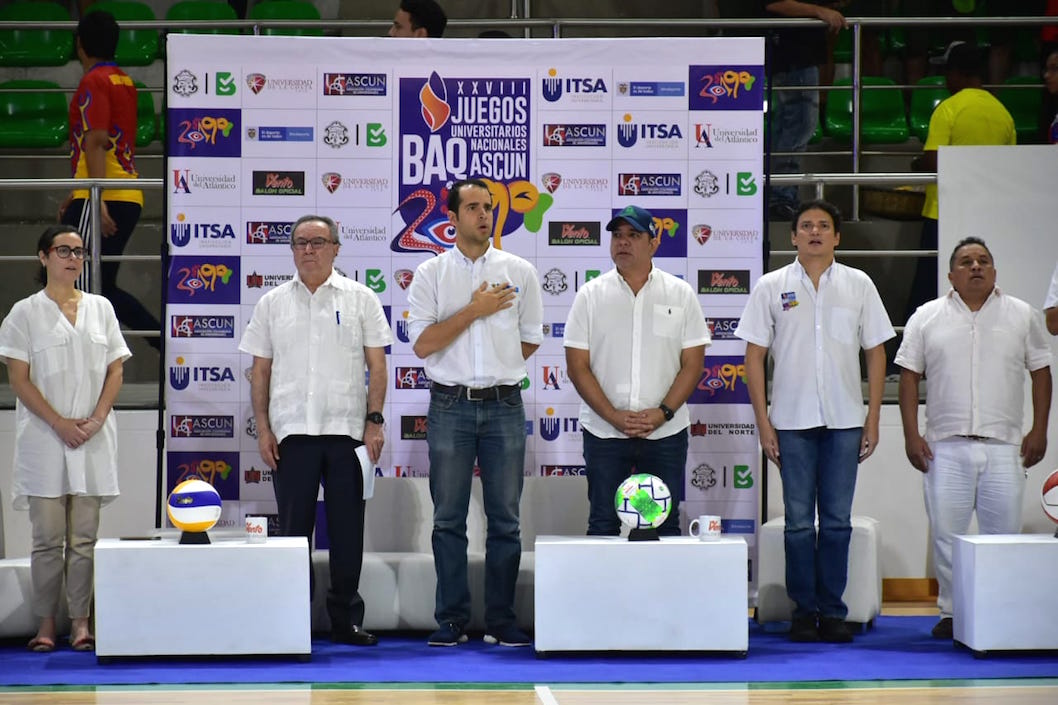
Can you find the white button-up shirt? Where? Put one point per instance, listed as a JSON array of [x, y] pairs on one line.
[[815, 339], [68, 365], [975, 363], [635, 343], [1052, 291], [316, 343], [489, 352]]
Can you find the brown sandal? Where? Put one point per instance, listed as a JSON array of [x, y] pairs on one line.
[[41, 644], [85, 643]]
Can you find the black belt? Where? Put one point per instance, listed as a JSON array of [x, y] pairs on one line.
[[500, 391], [975, 438]]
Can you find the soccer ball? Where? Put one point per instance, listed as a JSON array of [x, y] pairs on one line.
[[1049, 496], [193, 506], [643, 501]]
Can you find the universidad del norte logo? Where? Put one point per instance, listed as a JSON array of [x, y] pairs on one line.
[[457, 128]]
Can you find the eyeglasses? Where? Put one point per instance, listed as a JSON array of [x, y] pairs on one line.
[[808, 226], [65, 252], [316, 243]]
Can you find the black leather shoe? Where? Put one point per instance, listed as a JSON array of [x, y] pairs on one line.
[[355, 636], [943, 629], [803, 630], [834, 630]]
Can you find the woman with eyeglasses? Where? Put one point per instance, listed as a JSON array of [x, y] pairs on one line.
[[64, 354]]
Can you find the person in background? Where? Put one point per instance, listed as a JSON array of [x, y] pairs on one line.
[[103, 145], [419, 18], [1049, 108], [973, 346], [815, 315], [64, 355]]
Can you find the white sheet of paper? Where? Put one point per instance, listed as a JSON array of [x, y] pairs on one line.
[[369, 471]]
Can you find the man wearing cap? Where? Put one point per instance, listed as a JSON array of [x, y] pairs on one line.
[[970, 116], [635, 348]]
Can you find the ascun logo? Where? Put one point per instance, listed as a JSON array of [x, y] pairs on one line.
[[202, 426], [722, 328], [574, 135], [656, 135], [354, 84], [202, 326], [411, 378], [181, 234], [268, 232], [649, 184], [563, 470], [580, 89], [551, 426]]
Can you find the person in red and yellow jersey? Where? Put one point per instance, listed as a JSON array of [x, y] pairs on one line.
[[103, 145]]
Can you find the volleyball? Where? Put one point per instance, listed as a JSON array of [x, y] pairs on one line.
[[1049, 496], [643, 501], [194, 505]]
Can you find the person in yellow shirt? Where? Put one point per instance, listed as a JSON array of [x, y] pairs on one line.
[[970, 116]]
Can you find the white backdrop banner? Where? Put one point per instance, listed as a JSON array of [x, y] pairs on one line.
[[372, 132]]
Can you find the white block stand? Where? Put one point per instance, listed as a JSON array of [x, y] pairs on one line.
[[160, 598], [611, 594], [1005, 592]]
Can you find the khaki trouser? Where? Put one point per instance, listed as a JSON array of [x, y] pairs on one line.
[[64, 539]]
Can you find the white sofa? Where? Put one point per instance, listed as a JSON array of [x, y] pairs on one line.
[[397, 582]]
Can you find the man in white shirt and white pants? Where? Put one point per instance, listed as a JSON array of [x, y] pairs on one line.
[[475, 315], [973, 344], [815, 315], [311, 340]]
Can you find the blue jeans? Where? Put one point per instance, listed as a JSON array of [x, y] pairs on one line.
[[608, 461], [818, 468], [794, 118], [493, 433]]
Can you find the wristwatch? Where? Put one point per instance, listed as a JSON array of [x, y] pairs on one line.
[[669, 413], [376, 418]]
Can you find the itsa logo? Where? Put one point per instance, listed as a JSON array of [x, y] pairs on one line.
[[202, 426], [574, 135], [580, 89], [354, 84], [551, 426], [649, 184], [726, 87], [260, 232], [181, 233], [656, 135], [205, 377], [401, 327], [202, 326], [410, 378]]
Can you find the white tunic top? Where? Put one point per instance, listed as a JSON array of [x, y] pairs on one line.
[[1052, 291], [68, 364], [316, 344], [489, 352], [975, 363], [635, 341], [815, 339]]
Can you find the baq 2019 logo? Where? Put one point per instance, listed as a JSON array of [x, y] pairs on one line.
[[726, 87], [204, 280], [723, 381]]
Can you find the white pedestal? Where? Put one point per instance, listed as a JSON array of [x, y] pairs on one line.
[[610, 594], [158, 598], [1004, 591]]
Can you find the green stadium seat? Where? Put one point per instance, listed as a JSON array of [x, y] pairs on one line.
[[193, 10], [31, 119], [925, 98], [287, 10], [882, 118], [1024, 105], [146, 119], [35, 47], [136, 47]]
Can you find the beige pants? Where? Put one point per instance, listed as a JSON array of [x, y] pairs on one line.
[[64, 539]]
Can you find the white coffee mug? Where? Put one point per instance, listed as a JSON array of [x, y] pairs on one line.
[[705, 528], [256, 529]]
